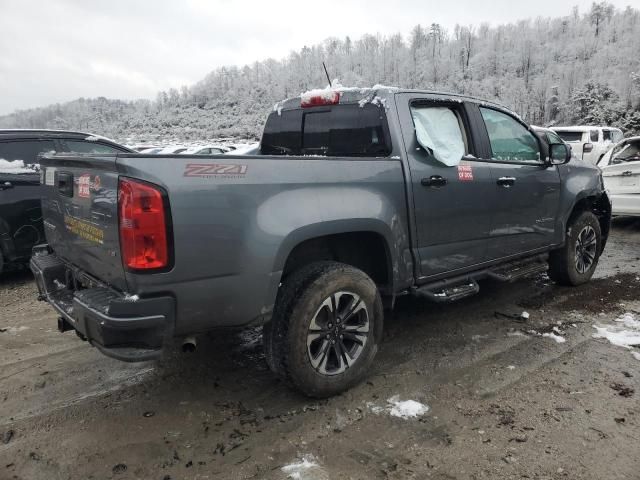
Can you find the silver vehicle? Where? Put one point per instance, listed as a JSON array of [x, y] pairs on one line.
[[621, 174]]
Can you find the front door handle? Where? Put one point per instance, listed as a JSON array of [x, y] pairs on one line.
[[506, 181], [628, 173], [6, 186], [436, 181]]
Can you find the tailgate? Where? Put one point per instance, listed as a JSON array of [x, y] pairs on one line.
[[80, 213]]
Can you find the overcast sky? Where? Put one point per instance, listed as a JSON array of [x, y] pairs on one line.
[[58, 50]]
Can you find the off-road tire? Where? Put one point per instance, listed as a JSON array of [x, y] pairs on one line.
[[299, 298], [562, 262]]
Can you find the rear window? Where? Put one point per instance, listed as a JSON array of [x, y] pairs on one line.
[[340, 130], [570, 136], [25, 150]]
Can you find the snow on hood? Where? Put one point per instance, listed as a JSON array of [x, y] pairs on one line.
[[17, 166]]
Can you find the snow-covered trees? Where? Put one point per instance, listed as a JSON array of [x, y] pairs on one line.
[[574, 69]]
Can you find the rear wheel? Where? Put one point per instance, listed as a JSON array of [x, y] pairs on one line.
[[575, 263], [326, 328]]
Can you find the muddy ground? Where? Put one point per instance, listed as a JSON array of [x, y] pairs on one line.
[[504, 402]]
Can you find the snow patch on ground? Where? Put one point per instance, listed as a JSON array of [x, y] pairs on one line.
[[14, 330], [555, 336], [306, 469], [131, 298], [399, 408], [17, 166], [407, 408], [625, 332]]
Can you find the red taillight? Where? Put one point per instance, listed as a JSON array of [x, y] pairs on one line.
[[143, 227], [322, 97]]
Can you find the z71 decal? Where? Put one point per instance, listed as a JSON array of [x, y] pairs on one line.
[[213, 170]]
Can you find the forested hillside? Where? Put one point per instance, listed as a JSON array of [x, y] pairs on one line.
[[583, 68]]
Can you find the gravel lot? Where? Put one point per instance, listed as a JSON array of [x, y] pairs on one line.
[[504, 400]]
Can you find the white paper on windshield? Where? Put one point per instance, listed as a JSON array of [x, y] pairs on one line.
[[438, 130]]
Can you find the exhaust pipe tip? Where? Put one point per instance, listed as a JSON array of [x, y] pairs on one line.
[[189, 345]]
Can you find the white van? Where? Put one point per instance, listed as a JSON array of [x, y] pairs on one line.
[[589, 143]]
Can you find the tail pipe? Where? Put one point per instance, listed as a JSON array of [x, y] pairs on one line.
[[189, 345]]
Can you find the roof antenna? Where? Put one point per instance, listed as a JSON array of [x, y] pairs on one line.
[[326, 73]]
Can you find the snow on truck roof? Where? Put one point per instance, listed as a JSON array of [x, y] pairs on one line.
[[377, 95]]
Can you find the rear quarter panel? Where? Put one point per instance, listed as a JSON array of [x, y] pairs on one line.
[[235, 225]]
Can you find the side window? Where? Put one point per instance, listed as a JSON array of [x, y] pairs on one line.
[[617, 135], [553, 138], [594, 135], [80, 146], [510, 140], [25, 150], [606, 135], [440, 131]]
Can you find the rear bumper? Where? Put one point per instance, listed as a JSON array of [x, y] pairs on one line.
[[127, 330]]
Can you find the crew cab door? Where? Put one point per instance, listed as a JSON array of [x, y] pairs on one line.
[[526, 190], [450, 209]]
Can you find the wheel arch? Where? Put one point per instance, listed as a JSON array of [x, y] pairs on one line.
[[340, 240]]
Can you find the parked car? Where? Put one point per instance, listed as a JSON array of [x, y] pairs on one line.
[[355, 197], [172, 150], [20, 190], [205, 150], [621, 173], [589, 143], [152, 150]]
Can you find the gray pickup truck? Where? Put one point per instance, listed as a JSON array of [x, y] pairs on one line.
[[354, 197]]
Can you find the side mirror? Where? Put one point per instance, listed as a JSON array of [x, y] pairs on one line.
[[559, 154], [587, 148]]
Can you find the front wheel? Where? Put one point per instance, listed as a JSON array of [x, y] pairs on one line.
[[325, 329], [575, 263]]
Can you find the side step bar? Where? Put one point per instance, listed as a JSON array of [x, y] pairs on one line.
[[449, 294], [457, 288], [513, 271]]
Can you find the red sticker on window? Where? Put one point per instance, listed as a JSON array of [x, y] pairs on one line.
[[465, 173]]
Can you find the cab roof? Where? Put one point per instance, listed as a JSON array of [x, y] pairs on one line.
[[378, 94]]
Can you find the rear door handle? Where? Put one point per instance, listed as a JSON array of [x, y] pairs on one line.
[[506, 181], [436, 181]]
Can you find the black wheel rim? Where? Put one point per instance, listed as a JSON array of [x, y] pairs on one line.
[[338, 333], [586, 247]]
